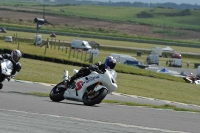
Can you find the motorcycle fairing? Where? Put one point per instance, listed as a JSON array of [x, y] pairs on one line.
[[83, 83], [6, 67], [81, 86], [98, 87]]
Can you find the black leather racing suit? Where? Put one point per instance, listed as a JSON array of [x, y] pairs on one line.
[[84, 71]]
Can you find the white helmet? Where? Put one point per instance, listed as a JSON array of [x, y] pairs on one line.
[[16, 55]]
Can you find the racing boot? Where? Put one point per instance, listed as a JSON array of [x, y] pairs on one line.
[[69, 83]]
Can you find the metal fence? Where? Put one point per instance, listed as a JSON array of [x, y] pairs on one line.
[[109, 37]]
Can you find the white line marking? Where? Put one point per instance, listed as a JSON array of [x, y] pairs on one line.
[[108, 123]]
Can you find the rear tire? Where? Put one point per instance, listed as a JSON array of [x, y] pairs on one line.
[[56, 94], [1, 86], [95, 100]]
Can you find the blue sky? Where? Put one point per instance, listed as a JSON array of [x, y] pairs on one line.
[[157, 1]]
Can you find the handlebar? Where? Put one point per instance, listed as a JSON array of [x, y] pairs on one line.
[[101, 72]]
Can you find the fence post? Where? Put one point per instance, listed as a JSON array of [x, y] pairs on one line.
[[74, 53], [66, 48], [70, 52], [62, 46], [81, 54], [77, 54], [18, 45], [51, 42], [85, 55], [14, 39], [55, 44], [46, 46], [59, 45]]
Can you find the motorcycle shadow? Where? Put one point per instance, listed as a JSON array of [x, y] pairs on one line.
[[73, 102]]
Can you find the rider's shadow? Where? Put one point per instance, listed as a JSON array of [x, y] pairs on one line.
[[74, 103]]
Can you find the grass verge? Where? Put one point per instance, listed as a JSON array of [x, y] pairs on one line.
[[48, 72]]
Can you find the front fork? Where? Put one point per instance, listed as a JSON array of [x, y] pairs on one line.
[[91, 90]]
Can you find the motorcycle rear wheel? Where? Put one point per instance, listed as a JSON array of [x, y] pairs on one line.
[[90, 101], [56, 94]]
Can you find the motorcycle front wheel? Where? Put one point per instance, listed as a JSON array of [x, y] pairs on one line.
[[56, 94], [96, 98]]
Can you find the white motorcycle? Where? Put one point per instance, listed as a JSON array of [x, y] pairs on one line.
[[6, 70], [90, 90]]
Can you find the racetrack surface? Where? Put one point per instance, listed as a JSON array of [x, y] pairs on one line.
[[25, 113]]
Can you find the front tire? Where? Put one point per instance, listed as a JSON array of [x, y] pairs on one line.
[[101, 94], [56, 94]]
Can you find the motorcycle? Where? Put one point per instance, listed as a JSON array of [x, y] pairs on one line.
[[6, 70], [90, 90], [192, 79]]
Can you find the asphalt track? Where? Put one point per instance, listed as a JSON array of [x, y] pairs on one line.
[[25, 113]]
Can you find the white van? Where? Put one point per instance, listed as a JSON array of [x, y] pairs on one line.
[[80, 44], [123, 59], [8, 39], [118, 56], [174, 62], [152, 59], [39, 40]]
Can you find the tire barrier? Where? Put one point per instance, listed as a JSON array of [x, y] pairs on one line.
[[58, 61], [37, 57], [49, 59], [68, 62], [6, 51], [29, 56]]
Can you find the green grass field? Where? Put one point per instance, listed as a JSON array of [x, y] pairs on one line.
[[39, 71], [173, 89], [125, 14], [164, 87]]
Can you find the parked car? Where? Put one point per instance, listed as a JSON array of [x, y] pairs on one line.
[[8, 39], [3, 30], [80, 44], [152, 59], [52, 35], [136, 64]]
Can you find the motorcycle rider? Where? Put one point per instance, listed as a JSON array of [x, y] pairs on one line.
[[14, 57], [109, 63]]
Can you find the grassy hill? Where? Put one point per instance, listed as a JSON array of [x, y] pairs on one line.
[[185, 19]]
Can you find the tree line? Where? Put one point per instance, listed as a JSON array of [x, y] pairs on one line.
[[134, 4]]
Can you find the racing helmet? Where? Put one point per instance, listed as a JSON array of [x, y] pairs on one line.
[[110, 62], [16, 55]]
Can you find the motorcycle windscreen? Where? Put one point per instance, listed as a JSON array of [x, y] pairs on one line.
[[113, 73]]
